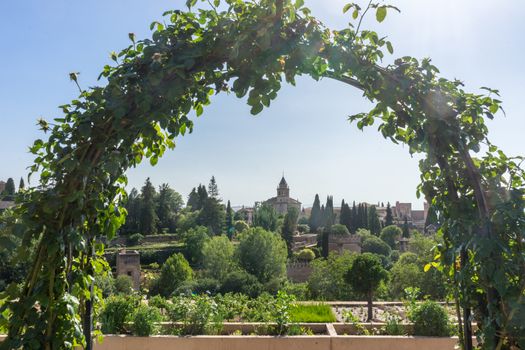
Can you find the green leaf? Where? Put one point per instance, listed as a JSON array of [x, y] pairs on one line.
[[199, 110], [347, 7], [355, 14], [256, 109], [389, 47], [299, 4], [381, 14]]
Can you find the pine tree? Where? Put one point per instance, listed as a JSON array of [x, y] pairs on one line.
[[21, 185], [406, 231], [213, 190], [169, 202], [212, 215], [229, 221], [373, 221], [193, 199], [133, 207], [148, 216], [389, 218], [315, 216]]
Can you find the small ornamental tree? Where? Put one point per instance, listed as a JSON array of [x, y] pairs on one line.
[[365, 275], [375, 245], [266, 217], [339, 230], [218, 257], [194, 240], [173, 273], [391, 234], [262, 254]]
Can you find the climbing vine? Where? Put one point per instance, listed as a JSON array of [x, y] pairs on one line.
[[249, 48]]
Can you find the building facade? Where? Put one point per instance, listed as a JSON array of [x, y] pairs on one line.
[[283, 201]]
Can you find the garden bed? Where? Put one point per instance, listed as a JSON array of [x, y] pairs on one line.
[[320, 342]]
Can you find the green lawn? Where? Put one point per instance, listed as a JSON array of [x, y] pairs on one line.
[[312, 313]]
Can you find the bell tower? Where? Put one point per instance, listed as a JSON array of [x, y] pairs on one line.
[[283, 190]]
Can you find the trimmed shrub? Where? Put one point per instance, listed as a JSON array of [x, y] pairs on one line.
[[242, 282], [145, 321], [303, 228], [299, 290], [134, 239], [116, 312], [373, 244], [306, 255], [394, 255], [240, 226], [158, 302], [199, 286], [339, 230], [106, 284], [430, 319], [123, 284], [390, 235]]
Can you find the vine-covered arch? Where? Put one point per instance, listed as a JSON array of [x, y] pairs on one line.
[[248, 48]]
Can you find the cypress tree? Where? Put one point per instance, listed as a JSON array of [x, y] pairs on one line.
[[10, 187], [364, 220], [346, 216], [329, 218], [315, 216], [354, 218], [373, 221], [406, 231], [202, 196], [21, 185], [432, 218], [289, 227], [229, 220], [389, 218], [325, 242]]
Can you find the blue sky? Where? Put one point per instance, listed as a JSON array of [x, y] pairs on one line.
[[304, 133]]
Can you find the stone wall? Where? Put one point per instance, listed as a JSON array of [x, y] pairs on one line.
[[340, 244], [151, 239], [128, 263], [298, 272]]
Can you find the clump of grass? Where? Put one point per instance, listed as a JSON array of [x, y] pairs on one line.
[[312, 313]]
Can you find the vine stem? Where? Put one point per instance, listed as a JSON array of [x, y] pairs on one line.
[[363, 16]]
